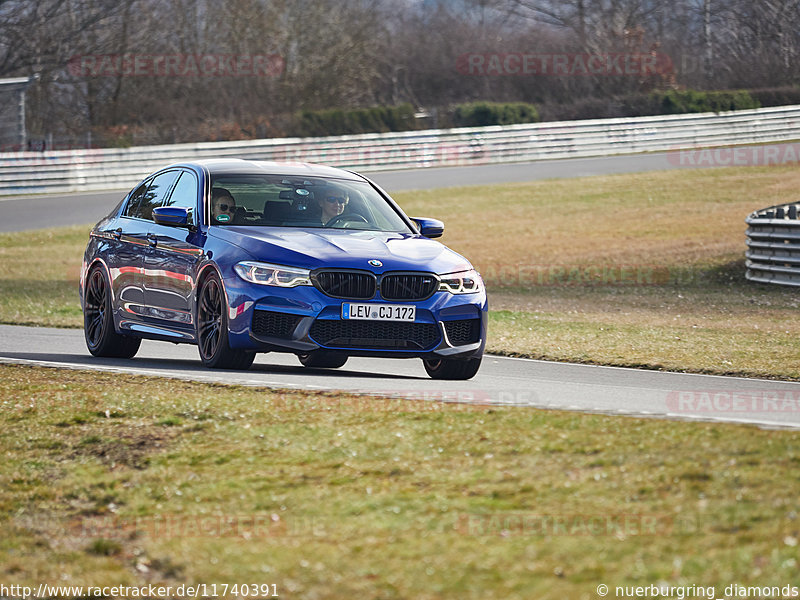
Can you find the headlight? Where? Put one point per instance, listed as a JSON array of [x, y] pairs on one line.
[[277, 275], [463, 282]]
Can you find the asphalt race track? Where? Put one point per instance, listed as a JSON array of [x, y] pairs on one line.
[[33, 212], [509, 381], [506, 381]]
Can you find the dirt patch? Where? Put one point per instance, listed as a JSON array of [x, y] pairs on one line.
[[120, 445]]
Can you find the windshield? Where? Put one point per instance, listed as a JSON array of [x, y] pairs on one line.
[[290, 201]]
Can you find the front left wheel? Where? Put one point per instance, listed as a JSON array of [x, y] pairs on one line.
[[320, 359], [452, 368], [212, 329], [98, 323]]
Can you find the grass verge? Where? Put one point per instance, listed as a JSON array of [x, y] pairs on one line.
[[635, 269], [114, 479], [39, 276]]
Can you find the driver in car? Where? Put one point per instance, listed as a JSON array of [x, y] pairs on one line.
[[333, 204]]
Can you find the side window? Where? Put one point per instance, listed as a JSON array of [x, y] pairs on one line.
[[132, 209], [156, 193], [144, 201], [185, 195]]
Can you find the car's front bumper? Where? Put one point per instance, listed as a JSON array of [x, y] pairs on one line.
[[303, 319]]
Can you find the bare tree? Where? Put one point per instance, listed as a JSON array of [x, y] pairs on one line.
[[40, 34], [358, 53]]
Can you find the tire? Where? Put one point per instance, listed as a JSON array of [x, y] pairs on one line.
[[212, 329], [452, 368], [246, 361], [320, 359], [98, 322]]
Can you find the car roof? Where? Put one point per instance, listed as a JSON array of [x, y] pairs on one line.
[[298, 169]]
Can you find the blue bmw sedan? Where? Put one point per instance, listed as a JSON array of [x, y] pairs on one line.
[[240, 257]]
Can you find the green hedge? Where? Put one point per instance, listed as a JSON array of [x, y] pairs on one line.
[[380, 119], [781, 96], [377, 119], [664, 103], [691, 101], [478, 114]]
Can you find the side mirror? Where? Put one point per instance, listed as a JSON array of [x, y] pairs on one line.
[[430, 228], [174, 216]]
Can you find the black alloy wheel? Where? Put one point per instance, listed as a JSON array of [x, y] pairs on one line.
[[212, 329], [98, 324]]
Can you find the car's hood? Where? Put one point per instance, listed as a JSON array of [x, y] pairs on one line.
[[312, 248]]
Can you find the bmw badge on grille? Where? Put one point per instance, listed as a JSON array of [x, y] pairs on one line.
[[375, 263]]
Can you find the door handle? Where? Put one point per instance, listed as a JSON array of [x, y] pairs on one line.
[[152, 239]]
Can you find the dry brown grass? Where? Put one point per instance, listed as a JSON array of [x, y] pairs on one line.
[[663, 217]]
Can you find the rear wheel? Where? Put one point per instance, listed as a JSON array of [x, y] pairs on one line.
[[320, 359], [452, 368], [98, 323], [212, 329]]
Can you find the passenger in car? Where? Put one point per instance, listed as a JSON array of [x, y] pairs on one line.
[[223, 206]]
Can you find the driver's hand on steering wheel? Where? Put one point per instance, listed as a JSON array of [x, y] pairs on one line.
[[352, 217]]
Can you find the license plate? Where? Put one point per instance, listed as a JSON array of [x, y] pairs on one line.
[[379, 312]]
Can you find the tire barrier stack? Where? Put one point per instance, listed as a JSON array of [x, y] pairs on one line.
[[773, 245]]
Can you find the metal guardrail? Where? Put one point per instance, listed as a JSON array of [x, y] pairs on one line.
[[773, 245], [114, 168]]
